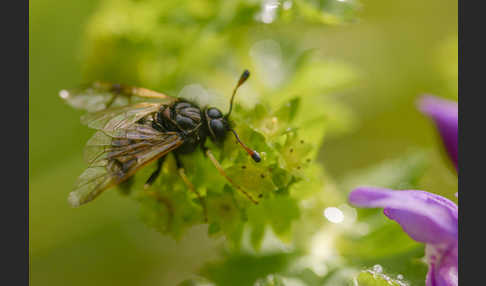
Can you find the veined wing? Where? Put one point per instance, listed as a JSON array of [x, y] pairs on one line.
[[103, 146], [117, 118], [102, 95], [114, 159]]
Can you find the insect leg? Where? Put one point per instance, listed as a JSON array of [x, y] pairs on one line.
[[112, 99], [191, 187], [116, 89], [155, 174], [223, 173]]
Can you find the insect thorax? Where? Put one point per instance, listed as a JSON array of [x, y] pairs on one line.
[[185, 118]]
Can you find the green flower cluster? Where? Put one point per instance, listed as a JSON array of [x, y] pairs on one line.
[[287, 139], [195, 50]]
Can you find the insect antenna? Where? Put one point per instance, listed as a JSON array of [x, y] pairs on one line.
[[254, 154], [244, 76]]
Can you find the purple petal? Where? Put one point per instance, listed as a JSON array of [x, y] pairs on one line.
[[442, 260], [424, 216], [444, 113]]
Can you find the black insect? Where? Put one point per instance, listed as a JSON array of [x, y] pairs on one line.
[[132, 134]]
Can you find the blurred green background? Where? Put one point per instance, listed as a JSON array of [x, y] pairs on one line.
[[400, 48]]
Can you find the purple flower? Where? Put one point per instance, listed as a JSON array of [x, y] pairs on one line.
[[444, 113], [425, 217]]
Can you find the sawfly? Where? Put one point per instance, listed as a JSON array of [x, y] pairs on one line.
[[136, 126]]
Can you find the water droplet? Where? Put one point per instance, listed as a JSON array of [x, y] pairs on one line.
[[334, 215], [64, 94], [377, 268]]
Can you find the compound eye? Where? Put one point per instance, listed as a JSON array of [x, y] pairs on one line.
[[214, 113], [218, 128]]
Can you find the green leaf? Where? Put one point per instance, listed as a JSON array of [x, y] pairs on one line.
[[295, 155], [288, 111], [386, 240], [225, 214], [278, 212]]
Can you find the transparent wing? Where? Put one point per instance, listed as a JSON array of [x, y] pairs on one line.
[[103, 146], [103, 95], [113, 159], [116, 118]]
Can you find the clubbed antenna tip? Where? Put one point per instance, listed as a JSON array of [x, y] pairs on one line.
[[254, 154], [244, 76]]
